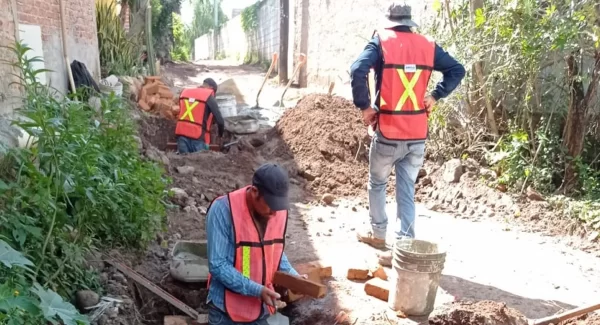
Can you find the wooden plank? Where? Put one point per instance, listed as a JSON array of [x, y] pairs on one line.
[[299, 285]]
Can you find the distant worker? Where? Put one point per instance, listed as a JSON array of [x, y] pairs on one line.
[[197, 106], [246, 237], [403, 62]]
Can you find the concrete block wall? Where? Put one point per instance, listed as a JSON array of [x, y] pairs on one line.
[[268, 29], [82, 39], [333, 33]]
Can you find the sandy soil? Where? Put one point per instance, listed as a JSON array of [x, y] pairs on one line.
[[491, 255]]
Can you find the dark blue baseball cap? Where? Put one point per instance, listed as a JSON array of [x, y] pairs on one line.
[[273, 184]]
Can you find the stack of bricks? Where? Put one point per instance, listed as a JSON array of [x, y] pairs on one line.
[[155, 97]]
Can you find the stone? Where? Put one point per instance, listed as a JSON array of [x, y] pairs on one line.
[[422, 173], [185, 170], [119, 277], [378, 288], [488, 173], [103, 320], [426, 181], [533, 195], [180, 196], [453, 170], [156, 155], [328, 198], [85, 299]]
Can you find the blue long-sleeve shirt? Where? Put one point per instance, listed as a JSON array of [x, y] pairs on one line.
[[221, 251], [372, 56]]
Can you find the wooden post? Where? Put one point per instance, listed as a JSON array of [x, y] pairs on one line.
[[284, 28]]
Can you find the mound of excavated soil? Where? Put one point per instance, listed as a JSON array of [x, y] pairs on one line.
[[480, 313], [329, 143], [590, 319]]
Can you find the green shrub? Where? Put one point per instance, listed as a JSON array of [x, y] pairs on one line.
[[82, 184]]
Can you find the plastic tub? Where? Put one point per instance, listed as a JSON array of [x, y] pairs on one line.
[[189, 261]]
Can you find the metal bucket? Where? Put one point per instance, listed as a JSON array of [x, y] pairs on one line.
[[418, 266]]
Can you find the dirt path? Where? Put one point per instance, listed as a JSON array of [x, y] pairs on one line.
[[487, 259]]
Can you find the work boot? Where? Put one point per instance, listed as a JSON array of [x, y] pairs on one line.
[[368, 238], [385, 258]]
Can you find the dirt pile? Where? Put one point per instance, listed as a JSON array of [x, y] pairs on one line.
[[329, 143], [590, 319], [480, 313]]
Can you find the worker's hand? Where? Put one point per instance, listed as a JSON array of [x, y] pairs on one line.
[[429, 103], [304, 276], [369, 116], [269, 296]]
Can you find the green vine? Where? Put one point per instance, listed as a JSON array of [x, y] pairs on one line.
[[250, 18]]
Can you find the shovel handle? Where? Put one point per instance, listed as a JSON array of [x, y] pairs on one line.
[[565, 316], [273, 62], [301, 62]]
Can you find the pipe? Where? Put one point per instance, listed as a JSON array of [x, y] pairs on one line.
[[64, 42]]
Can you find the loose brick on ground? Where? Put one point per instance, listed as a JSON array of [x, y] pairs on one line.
[[358, 274], [143, 105], [379, 272], [378, 288]]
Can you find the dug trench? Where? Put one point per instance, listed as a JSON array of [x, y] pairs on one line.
[[324, 147]]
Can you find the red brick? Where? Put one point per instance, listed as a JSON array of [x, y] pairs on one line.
[[379, 272], [378, 288], [300, 285], [358, 274]]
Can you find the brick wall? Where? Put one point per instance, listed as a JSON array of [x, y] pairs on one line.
[[8, 93], [82, 40]]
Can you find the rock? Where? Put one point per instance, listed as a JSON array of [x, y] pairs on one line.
[[202, 210], [533, 195], [139, 142], [471, 164], [86, 298], [422, 173], [103, 320], [157, 156], [185, 170], [179, 196], [502, 188], [453, 169], [103, 278], [488, 173], [119, 278], [294, 181], [328, 198], [190, 208], [210, 196], [426, 181], [113, 312]]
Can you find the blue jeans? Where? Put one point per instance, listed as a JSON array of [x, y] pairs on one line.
[[188, 145], [218, 317], [407, 157]]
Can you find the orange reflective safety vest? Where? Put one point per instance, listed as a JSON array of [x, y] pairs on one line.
[[192, 107], [408, 63], [255, 258]]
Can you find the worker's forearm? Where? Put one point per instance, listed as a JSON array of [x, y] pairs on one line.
[[359, 72], [453, 73], [235, 281]]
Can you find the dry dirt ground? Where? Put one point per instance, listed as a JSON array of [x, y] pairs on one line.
[[491, 253]]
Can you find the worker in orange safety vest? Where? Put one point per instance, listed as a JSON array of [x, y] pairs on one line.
[[197, 107], [246, 238], [403, 62]]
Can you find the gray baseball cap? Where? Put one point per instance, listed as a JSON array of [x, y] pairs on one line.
[[400, 14], [273, 184]]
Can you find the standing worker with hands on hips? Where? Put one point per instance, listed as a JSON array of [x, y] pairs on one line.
[[403, 62], [246, 237]]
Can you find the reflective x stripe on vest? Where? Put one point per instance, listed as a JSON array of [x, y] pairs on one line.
[[189, 109], [408, 63]]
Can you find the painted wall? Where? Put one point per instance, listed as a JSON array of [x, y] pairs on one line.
[[9, 94]]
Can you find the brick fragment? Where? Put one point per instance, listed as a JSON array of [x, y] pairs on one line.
[[151, 88], [358, 274], [151, 79], [299, 285], [379, 272], [378, 288], [165, 93]]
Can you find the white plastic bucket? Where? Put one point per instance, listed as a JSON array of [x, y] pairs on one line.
[[227, 105]]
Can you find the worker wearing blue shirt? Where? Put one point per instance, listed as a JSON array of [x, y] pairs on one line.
[[403, 62]]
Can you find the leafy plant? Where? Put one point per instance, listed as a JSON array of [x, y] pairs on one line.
[[120, 53], [80, 185], [181, 48], [25, 303]]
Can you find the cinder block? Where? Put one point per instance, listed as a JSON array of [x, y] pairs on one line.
[[378, 288]]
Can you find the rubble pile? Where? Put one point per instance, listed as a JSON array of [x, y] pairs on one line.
[[153, 96]]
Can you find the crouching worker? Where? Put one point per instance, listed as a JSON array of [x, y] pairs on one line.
[[246, 236], [197, 106]]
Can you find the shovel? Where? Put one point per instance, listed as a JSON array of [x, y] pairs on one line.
[[301, 61], [273, 63]]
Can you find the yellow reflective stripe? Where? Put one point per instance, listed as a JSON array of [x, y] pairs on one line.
[[246, 261], [188, 110], [409, 91]]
